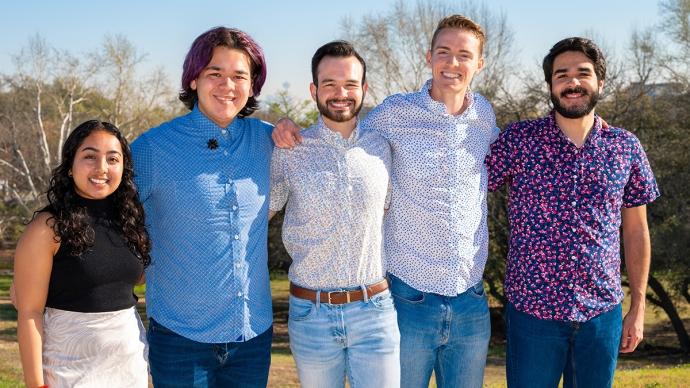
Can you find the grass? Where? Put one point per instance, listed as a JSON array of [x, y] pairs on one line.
[[656, 364]]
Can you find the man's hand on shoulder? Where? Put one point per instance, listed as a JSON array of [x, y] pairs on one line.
[[286, 134], [604, 124]]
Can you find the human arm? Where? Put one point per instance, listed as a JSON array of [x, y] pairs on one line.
[[637, 249], [502, 159], [33, 262], [279, 183], [286, 134], [142, 160]]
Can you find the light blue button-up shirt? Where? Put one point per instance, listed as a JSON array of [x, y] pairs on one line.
[[205, 192], [436, 235]]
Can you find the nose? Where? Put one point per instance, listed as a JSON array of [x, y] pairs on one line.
[[103, 165], [226, 82], [574, 81], [341, 91]]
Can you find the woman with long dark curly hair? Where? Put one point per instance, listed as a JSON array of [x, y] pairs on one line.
[[75, 267]]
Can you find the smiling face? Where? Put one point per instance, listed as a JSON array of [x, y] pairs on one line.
[[97, 166], [454, 60], [575, 87], [339, 92], [224, 86]]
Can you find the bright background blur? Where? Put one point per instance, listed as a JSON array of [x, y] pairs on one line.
[[289, 31]]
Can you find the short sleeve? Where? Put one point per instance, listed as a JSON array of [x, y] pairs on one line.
[[641, 188], [501, 159], [142, 159], [279, 182]]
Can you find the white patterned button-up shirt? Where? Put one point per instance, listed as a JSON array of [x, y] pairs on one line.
[[436, 235], [335, 191]]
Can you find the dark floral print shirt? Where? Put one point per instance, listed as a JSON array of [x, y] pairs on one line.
[[565, 214]]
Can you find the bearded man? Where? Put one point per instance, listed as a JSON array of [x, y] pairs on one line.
[[573, 183]]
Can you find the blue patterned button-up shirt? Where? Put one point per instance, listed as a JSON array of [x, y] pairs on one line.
[[436, 235], [205, 192]]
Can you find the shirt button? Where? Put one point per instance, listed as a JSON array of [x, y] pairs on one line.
[[574, 203], [239, 294], [349, 187], [224, 131], [573, 257], [238, 265], [225, 153], [237, 237], [234, 207]]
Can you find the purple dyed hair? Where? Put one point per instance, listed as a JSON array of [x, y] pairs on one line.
[[200, 55]]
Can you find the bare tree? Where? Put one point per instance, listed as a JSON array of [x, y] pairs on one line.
[[676, 26], [50, 90], [395, 45], [133, 100]]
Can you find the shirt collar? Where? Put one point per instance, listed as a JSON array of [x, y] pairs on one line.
[[592, 136], [333, 137], [424, 97], [202, 125]]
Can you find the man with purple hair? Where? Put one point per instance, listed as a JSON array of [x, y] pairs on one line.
[[204, 181]]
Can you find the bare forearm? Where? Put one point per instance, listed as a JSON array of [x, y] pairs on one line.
[[30, 337], [637, 260]]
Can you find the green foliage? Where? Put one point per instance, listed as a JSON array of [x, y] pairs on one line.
[[283, 104]]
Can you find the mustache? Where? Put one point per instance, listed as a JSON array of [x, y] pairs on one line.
[[576, 89], [350, 100]]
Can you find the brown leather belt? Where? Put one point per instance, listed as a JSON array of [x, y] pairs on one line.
[[338, 297]]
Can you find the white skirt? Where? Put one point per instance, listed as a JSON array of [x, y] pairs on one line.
[[94, 349]]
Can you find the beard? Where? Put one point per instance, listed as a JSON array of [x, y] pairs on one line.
[[579, 110], [339, 117]]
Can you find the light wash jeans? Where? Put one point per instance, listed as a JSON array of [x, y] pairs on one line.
[[357, 339], [539, 351], [446, 334]]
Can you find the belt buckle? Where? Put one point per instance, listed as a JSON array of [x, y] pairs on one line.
[[347, 296]]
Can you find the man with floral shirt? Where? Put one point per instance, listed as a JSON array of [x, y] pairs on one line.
[[573, 183]]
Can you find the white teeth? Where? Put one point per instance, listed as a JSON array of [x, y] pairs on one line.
[[450, 75], [98, 181]]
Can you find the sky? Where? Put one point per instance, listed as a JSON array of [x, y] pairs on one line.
[[289, 30]]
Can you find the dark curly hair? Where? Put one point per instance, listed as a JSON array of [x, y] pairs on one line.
[[69, 219]]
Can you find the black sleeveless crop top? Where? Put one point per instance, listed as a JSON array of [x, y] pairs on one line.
[[100, 279]]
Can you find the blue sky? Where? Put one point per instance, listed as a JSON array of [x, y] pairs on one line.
[[289, 31]]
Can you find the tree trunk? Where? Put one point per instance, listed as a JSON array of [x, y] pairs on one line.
[[665, 302], [684, 290]]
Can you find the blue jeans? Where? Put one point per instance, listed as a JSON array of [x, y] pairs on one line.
[[449, 335], [176, 361], [357, 339], [540, 351]]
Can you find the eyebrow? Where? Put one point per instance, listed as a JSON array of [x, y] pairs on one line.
[[346, 81], [449, 49], [97, 150], [218, 68], [579, 69]]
